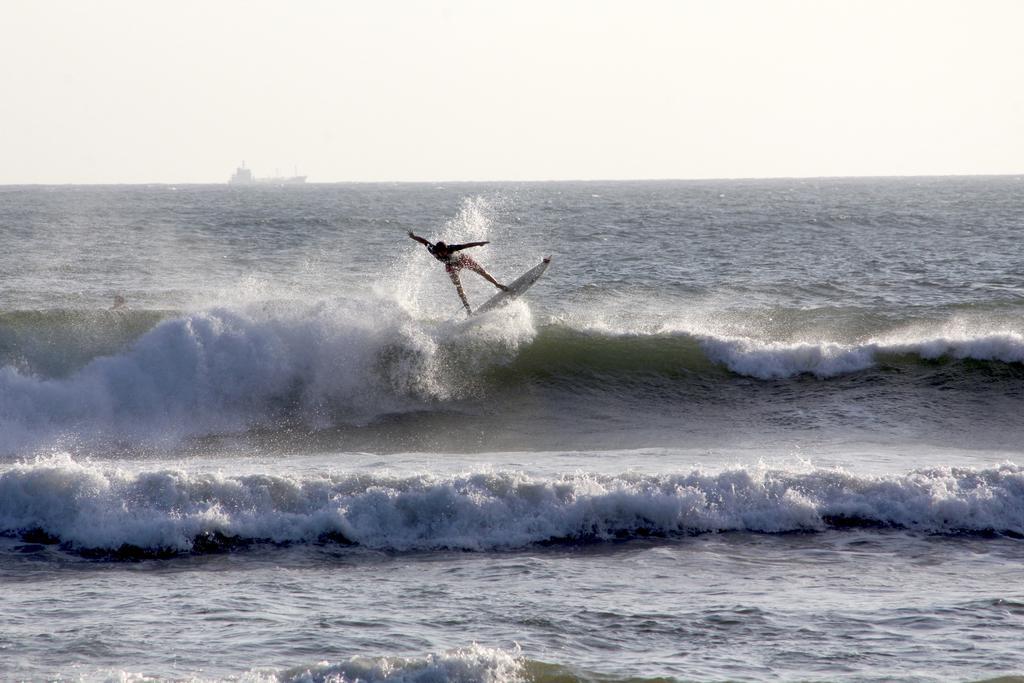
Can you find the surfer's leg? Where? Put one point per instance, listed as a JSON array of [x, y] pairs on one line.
[[477, 268], [454, 275]]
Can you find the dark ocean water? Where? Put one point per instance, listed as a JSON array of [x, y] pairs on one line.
[[740, 429]]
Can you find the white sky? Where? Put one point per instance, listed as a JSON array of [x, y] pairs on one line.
[[105, 91]]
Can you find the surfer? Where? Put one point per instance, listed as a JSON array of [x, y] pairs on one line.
[[454, 262]]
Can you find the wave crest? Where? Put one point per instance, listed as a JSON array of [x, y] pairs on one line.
[[273, 366], [89, 508], [777, 360]]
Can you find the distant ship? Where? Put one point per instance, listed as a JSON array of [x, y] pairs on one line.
[[244, 176]]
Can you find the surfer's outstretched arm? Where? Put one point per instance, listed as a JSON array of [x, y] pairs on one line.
[[467, 245], [419, 239]]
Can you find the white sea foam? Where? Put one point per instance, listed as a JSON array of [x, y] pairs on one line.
[[1005, 346], [778, 360], [775, 360], [92, 507]]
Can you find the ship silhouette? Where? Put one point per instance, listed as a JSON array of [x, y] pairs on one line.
[[244, 176]]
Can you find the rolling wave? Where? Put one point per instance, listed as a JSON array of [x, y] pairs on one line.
[[93, 509], [261, 366], [566, 351]]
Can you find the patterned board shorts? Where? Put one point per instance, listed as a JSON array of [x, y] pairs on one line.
[[460, 262]]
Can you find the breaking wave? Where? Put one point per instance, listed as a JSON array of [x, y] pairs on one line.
[[90, 508], [776, 360], [270, 365], [227, 370]]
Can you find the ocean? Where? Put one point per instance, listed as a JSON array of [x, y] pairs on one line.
[[741, 429]]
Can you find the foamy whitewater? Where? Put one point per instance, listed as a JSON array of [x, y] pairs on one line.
[[763, 430]]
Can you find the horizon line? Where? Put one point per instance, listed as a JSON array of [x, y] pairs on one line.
[[535, 181]]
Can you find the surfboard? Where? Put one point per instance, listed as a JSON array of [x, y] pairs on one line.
[[515, 288]]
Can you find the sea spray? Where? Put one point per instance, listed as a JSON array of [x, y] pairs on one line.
[[224, 370]]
